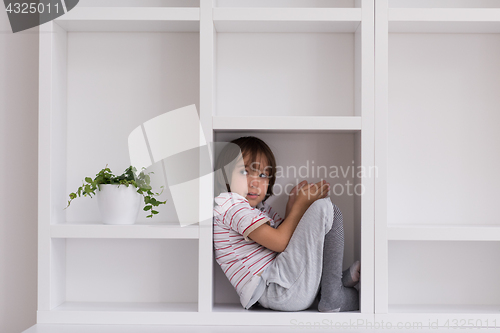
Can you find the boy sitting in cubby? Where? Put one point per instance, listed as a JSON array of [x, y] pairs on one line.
[[281, 264]]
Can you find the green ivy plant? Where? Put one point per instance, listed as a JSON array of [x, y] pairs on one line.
[[127, 178]]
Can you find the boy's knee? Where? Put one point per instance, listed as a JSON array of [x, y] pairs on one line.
[[321, 208], [322, 205]]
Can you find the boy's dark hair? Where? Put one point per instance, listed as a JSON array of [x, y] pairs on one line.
[[248, 146]]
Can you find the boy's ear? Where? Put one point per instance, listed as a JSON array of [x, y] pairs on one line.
[[220, 184]]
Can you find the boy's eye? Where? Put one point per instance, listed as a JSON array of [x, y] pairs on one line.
[[263, 175], [244, 172]]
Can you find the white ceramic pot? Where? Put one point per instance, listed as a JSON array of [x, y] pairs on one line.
[[118, 204]]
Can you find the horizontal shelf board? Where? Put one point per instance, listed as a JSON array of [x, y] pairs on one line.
[[441, 20], [134, 231], [225, 315], [131, 19], [445, 308], [286, 19], [443, 232], [223, 123], [127, 307]]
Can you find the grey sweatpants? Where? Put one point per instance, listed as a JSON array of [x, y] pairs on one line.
[[293, 278]]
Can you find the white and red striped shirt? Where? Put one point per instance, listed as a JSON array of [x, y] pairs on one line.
[[241, 259]]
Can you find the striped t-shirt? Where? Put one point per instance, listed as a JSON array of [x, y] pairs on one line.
[[241, 259]]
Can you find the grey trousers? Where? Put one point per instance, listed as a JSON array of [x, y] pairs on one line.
[[293, 278]]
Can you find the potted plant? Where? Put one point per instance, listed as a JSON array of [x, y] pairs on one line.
[[119, 197]]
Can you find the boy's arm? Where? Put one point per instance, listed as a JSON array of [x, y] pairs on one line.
[[277, 239], [293, 196]]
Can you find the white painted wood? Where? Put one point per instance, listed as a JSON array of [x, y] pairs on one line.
[[130, 19], [470, 309], [207, 86], [223, 316], [444, 27], [325, 123], [139, 3], [286, 19], [127, 307], [440, 20], [443, 14], [335, 99], [392, 321], [415, 318], [381, 119], [48, 328], [288, 3], [366, 64], [44, 182], [443, 232], [52, 146], [444, 4], [138, 230]]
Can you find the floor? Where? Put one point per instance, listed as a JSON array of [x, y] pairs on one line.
[[46, 328]]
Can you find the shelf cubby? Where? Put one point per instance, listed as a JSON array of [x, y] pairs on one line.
[[448, 277], [442, 129], [436, 111], [102, 74], [120, 275], [258, 50], [297, 160]]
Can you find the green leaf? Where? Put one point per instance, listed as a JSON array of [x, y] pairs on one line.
[[154, 212], [148, 207], [72, 196], [88, 179]]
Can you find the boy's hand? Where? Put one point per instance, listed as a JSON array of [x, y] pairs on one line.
[[293, 196], [312, 192]]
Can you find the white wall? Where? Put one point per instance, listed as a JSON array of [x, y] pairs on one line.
[[19, 180]]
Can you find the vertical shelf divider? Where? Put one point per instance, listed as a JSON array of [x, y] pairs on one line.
[[205, 259], [366, 107], [381, 128]]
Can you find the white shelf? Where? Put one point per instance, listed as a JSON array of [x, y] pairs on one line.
[[126, 307], [135, 231], [443, 232], [131, 19], [286, 19], [279, 123], [441, 20], [446, 308]]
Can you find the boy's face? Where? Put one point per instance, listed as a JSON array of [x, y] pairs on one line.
[[250, 180]]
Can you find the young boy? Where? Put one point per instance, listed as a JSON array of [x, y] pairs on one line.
[[267, 259]]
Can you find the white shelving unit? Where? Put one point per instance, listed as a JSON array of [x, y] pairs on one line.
[[406, 91], [436, 110]]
